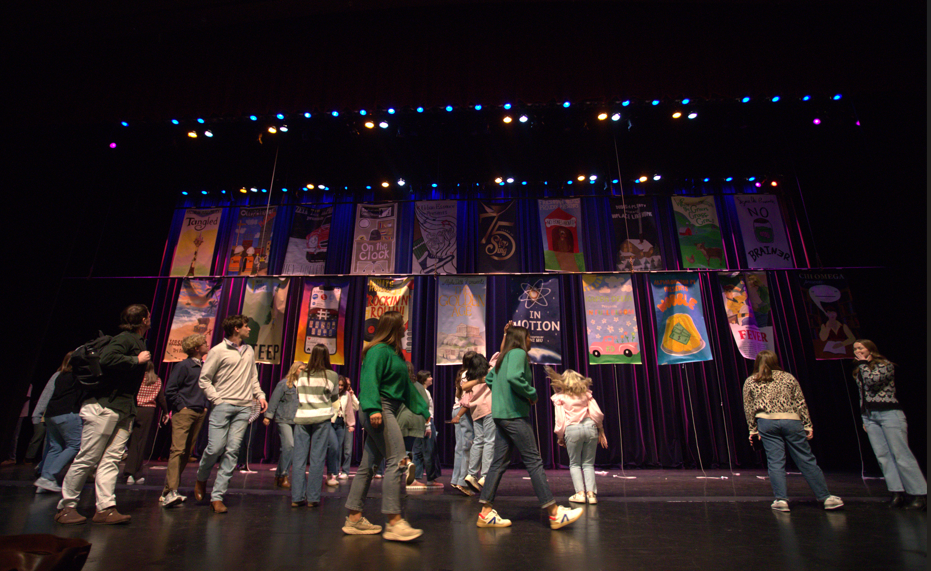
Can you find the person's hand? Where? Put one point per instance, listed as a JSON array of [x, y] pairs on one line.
[[454, 420], [533, 401], [375, 420], [751, 437], [264, 405], [266, 422], [561, 442], [602, 439], [165, 418], [427, 433], [352, 429], [144, 357], [809, 434], [507, 326], [864, 428]]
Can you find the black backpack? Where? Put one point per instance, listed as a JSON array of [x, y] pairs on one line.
[[85, 363]]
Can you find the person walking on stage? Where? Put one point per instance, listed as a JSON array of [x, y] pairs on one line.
[[282, 406], [188, 405], [511, 382], [230, 380], [150, 395], [63, 433], [317, 390], [344, 424], [885, 424], [777, 414], [385, 385]]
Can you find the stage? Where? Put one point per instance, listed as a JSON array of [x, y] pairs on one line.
[[652, 519]]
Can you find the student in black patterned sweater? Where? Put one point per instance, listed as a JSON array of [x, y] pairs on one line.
[[884, 423], [777, 415]]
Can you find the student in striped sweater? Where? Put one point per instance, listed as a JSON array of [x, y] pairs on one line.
[[316, 393]]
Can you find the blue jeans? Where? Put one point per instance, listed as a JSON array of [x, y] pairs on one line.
[[483, 446], [286, 435], [776, 434], [334, 450], [347, 449], [340, 430], [888, 432], [516, 433], [425, 456], [464, 435], [225, 430], [582, 443], [63, 434], [312, 440]]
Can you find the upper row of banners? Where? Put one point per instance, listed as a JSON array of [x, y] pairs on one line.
[[434, 246]]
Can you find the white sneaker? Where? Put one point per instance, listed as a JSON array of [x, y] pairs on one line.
[[332, 481], [172, 498], [780, 506], [411, 473], [140, 481], [592, 497], [343, 476], [492, 520], [130, 481], [361, 527], [564, 516], [401, 531], [481, 482], [44, 485], [833, 502], [577, 498], [476, 484]]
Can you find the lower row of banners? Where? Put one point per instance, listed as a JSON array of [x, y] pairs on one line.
[[533, 302]]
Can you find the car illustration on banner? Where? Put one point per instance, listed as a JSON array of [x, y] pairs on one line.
[[609, 346]]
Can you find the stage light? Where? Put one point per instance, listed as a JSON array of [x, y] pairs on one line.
[[507, 105], [310, 186], [752, 178], [383, 124], [625, 103], [184, 192], [643, 179], [774, 183], [775, 99], [616, 117], [306, 115], [581, 177], [566, 104], [304, 188], [507, 119], [208, 133], [593, 177], [368, 187], [655, 102], [280, 116], [253, 118], [656, 177], [501, 183], [729, 179], [498, 180], [806, 98], [222, 192], [401, 182], [523, 119], [615, 181], [524, 182], [837, 97], [693, 115], [284, 190], [433, 185], [369, 125], [175, 122], [253, 189], [272, 130], [112, 145], [706, 180], [478, 107], [384, 184], [192, 134], [676, 115], [283, 128], [391, 111], [449, 107], [264, 190], [758, 184], [510, 181], [243, 190], [420, 109], [203, 192], [362, 112], [568, 182], [201, 121], [124, 123], [686, 101], [817, 121], [858, 123], [602, 116], [745, 100]]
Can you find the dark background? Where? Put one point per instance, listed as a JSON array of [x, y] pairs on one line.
[[78, 209]]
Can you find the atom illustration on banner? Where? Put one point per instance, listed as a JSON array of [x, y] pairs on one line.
[[534, 294]]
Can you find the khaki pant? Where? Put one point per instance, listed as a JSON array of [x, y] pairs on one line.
[[185, 426]]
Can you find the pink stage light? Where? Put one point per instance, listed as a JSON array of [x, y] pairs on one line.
[[817, 121], [112, 145]]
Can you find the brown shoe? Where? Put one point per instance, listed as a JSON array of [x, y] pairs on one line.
[[110, 516], [200, 490], [69, 516], [218, 507], [286, 482]]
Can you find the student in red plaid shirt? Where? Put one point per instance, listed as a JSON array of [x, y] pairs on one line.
[[150, 393]]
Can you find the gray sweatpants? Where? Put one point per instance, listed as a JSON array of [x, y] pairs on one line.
[[387, 444]]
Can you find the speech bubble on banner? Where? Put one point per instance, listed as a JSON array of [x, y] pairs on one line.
[[823, 294]]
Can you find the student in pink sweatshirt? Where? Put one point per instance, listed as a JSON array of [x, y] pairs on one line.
[[579, 428]]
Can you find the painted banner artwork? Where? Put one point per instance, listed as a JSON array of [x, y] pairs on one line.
[[611, 319], [764, 235], [196, 242], [560, 221], [680, 322], [533, 303], [460, 318], [636, 234], [389, 294], [251, 241], [435, 237], [322, 319], [264, 303], [699, 232], [833, 323], [373, 239], [195, 313], [307, 244], [746, 301], [497, 232]]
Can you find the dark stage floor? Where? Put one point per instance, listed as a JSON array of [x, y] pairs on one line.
[[662, 519]]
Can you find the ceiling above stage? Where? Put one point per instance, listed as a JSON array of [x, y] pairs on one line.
[[152, 61]]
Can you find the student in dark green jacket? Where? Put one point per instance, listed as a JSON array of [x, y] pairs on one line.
[[512, 395], [385, 385]]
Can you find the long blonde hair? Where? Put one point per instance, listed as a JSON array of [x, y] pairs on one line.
[[293, 373], [569, 382]]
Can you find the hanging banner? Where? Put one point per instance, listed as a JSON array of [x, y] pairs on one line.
[[196, 242], [680, 321], [195, 313], [560, 221], [497, 232], [533, 302], [251, 241], [635, 234], [460, 318], [746, 301], [700, 241], [833, 323], [322, 319], [764, 235], [264, 303], [373, 239], [611, 319], [389, 294], [307, 245], [435, 237]]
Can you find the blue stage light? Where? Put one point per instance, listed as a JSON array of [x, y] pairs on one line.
[[569, 182], [362, 112], [752, 178], [625, 103], [566, 104], [449, 107], [775, 99], [124, 123], [806, 98], [175, 122], [253, 118], [729, 179], [284, 190], [391, 111], [837, 97], [203, 192], [420, 109], [368, 187], [706, 180], [523, 183], [222, 192], [184, 192], [264, 190], [686, 101], [280, 116], [745, 100], [615, 181], [335, 113], [656, 102], [507, 105], [433, 185], [478, 107], [199, 120]]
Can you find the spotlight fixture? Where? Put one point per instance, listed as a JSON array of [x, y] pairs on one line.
[[775, 99], [307, 115], [566, 104], [334, 113], [602, 116], [272, 130], [510, 181], [175, 122], [616, 117], [656, 177], [192, 134], [686, 101], [745, 100], [806, 98], [643, 179], [384, 184], [383, 124], [401, 182], [593, 178], [581, 177], [625, 103], [124, 123], [507, 119], [774, 183], [420, 109], [369, 125], [677, 114], [507, 105], [498, 180], [478, 107], [283, 128], [523, 119], [391, 111], [693, 115], [449, 108], [243, 190], [208, 133], [655, 102], [112, 145], [199, 120], [310, 186], [253, 118], [837, 97], [817, 121], [729, 179]]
